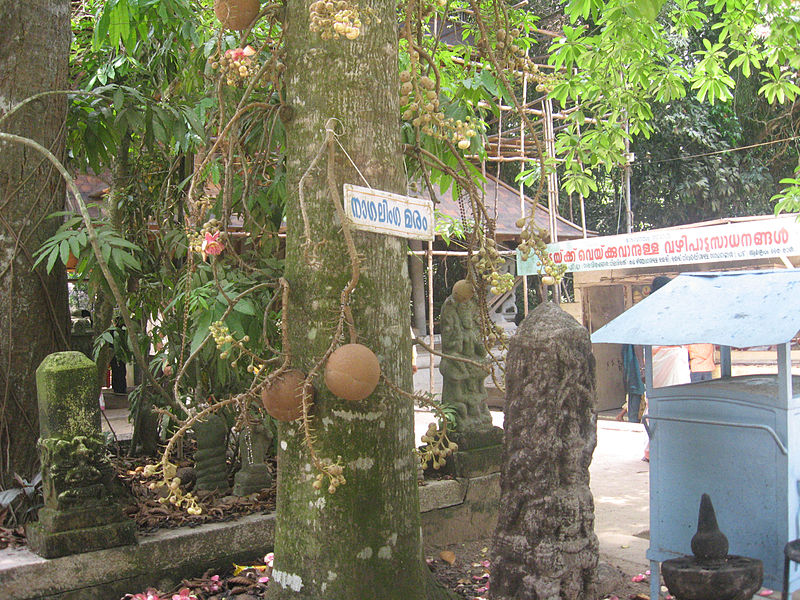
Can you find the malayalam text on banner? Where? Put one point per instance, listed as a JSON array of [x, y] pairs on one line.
[[745, 240], [392, 214]]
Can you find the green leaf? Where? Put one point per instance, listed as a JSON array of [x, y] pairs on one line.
[[119, 99], [245, 306], [51, 261], [201, 330], [64, 252]]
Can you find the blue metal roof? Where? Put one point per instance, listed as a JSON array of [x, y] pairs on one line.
[[739, 309]]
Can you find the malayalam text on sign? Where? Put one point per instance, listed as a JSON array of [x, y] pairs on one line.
[[392, 214], [752, 239]]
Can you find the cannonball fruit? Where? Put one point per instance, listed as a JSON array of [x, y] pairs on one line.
[[462, 290], [236, 14], [283, 399], [352, 372]]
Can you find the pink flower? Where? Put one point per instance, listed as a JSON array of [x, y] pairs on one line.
[[212, 244], [264, 579], [239, 53], [269, 559], [150, 594], [184, 594]]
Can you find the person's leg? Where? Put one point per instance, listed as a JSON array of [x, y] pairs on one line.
[[634, 402]]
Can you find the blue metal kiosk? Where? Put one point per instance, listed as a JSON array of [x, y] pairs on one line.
[[735, 438]]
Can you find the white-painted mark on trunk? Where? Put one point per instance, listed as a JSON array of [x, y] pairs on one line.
[[365, 554], [362, 462], [352, 416], [287, 580]]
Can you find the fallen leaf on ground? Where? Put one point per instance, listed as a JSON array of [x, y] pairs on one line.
[[448, 556]]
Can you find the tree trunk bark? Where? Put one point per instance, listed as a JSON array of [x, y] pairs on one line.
[[34, 319], [363, 541]]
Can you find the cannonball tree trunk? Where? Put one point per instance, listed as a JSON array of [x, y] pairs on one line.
[[34, 321], [363, 541]]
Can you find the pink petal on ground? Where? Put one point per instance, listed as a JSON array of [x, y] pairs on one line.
[[485, 563], [766, 592], [638, 578]]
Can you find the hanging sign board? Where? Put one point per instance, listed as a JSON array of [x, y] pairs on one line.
[[392, 214], [746, 240]]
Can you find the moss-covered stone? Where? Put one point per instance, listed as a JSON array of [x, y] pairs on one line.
[[81, 511], [49, 544], [66, 384]]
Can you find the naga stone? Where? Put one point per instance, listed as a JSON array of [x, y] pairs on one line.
[[211, 466], [544, 544], [82, 510], [462, 382], [479, 442], [254, 475], [81, 335]]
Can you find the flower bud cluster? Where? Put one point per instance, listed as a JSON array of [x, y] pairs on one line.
[[222, 337], [333, 19], [436, 449], [423, 110], [508, 52], [486, 262], [334, 473], [533, 240], [173, 493], [235, 64]]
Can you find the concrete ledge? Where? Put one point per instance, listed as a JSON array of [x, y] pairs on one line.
[[441, 493], [161, 560], [452, 511], [472, 519]]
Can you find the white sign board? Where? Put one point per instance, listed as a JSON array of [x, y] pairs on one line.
[[382, 212], [759, 238]]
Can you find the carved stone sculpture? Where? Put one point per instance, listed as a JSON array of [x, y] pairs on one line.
[[544, 544], [462, 382], [81, 499], [254, 475], [211, 466]]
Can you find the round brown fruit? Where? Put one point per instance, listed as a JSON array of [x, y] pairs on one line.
[[352, 372], [283, 399], [462, 290], [236, 14]]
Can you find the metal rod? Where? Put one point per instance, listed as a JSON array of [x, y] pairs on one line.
[[453, 252], [627, 179], [767, 428], [785, 373], [430, 316], [522, 186]]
